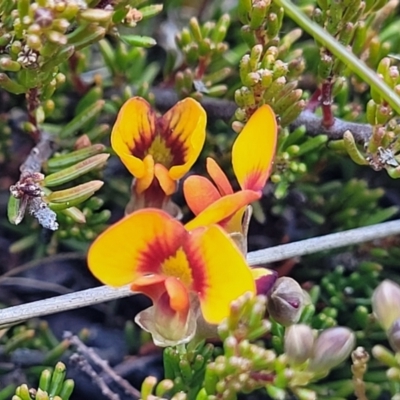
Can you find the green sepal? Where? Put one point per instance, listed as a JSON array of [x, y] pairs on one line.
[[68, 159], [138, 40], [80, 120], [76, 193]]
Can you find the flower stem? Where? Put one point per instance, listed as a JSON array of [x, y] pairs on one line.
[[342, 53]]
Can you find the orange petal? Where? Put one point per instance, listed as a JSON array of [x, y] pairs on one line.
[[222, 209], [254, 149], [133, 133], [221, 274], [152, 286], [144, 183], [167, 184], [136, 245], [199, 193], [178, 294], [219, 177], [187, 121]]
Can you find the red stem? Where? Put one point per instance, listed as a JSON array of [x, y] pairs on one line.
[[315, 101], [326, 104]]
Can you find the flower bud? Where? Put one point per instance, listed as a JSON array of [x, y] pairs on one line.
[[286, 301], [331, 348], [265, 279], [386, 303], [299, 341], [394, 335]]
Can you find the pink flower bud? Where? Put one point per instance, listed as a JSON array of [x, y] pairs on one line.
[[331, 348], [386, 303], [299, 341]]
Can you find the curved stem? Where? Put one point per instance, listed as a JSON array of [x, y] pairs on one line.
[[341, 52]]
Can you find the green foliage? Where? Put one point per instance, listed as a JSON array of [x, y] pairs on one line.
[[336, 97], [52, 385]]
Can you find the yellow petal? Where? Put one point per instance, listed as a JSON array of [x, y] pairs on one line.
[[187, 121], [133, 133], [254, 149], [138, 244], [224, 275], [199, 193], [167, 184], [223, 209], [219, 177], [144, 183]]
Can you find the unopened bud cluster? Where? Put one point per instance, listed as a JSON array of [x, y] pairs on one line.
[[381, 151], [37, 37], [322, 353], [52, 385], [269, 74], [286, 301], [346, 21], [386, 308], [201, 45]]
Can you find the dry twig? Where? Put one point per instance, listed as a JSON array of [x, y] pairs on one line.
[[92, 356], [28, 191], [16, 314]]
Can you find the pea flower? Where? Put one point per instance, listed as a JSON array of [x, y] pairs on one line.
[[189, 275], [252, 157], [158, 150]]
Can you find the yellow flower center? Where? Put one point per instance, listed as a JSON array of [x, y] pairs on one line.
[[178, 266], [160, 152]]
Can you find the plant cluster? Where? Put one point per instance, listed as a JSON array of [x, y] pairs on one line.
[[164, 149]]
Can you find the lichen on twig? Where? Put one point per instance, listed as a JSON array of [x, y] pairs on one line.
[[27, 191]]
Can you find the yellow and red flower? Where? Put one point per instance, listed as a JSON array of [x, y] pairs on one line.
[[182, 272], [252, 157], [158, 150]]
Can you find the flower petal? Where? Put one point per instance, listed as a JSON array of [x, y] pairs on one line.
[[144, 183], [136, 245], [187, 124], [223, 209], [167, 184], [199, 193], [219, 177], [133, 133], [225, 274], [149, 321], [152, 286], [265, 279], [254, 149], [178, 294]]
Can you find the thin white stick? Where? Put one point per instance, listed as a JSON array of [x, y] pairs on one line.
[[16, 314]]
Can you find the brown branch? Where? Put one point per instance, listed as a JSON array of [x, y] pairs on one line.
[[92, 356], [314, 127], [32, 103], [28, 190], [225, 110]]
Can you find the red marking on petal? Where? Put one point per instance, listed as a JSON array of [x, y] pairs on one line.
[[196, 262], [143, 142], [173, 142], [157, 251], [255, 180]]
